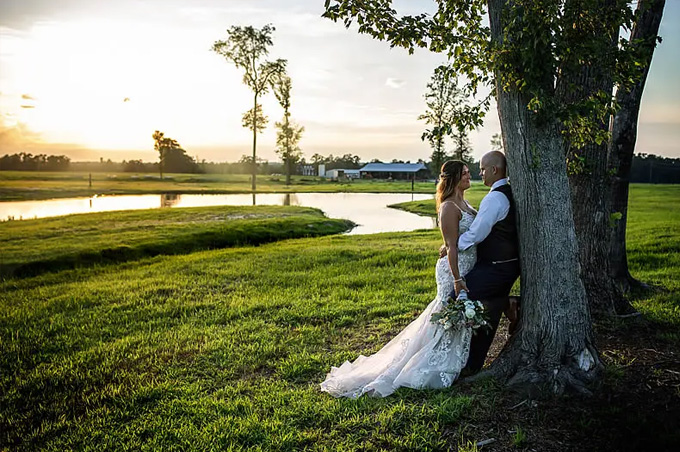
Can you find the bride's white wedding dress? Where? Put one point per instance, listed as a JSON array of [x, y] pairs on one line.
[[423, 355]]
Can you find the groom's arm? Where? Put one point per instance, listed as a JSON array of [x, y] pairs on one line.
[[493, 208]]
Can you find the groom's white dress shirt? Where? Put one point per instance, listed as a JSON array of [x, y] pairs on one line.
[[493, 208]]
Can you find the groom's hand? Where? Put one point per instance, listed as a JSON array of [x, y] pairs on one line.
[[442, 251]]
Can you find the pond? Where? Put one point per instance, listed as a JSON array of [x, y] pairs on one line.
[[368, 210]]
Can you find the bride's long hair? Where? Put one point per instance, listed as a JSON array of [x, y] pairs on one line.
[[450, 176]]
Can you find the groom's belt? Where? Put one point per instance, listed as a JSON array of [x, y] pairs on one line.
[[505, 261]]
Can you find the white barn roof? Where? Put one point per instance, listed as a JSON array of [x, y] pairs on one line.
[[393, 167]]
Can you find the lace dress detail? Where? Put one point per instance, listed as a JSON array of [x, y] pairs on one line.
[[423, 355]]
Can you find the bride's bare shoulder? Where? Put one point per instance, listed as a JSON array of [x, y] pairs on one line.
[[449, 213], [449, 206]]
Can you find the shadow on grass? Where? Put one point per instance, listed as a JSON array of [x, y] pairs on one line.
[[252, 233]]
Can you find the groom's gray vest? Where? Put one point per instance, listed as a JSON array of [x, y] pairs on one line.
[[501, 243]]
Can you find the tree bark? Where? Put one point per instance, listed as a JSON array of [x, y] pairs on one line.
[[589, 178], [591, 200], [624, 136], [554, 350]]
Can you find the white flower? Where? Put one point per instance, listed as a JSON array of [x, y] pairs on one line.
[[469, 313]]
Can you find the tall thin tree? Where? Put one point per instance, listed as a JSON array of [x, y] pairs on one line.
[[462, 149], [288, 133], [441, 99], [496, 142], [245, 47]]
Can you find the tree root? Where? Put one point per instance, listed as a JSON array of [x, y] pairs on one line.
[[523, 374]]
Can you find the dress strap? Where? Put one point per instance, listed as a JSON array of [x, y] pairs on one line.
[[454, 203]]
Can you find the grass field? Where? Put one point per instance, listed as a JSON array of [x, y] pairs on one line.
[[36, 246], [28, 185], [224, 350]]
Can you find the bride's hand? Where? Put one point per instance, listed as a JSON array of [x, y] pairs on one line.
[[460, 285], [442, 251]]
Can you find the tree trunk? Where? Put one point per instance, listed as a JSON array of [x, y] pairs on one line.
[[590, 180], [624, 136], [287, 146], [554, 350], [591, 200], [254, 162], [590, 194]]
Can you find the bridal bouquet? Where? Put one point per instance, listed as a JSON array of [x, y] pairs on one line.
[[462, 312]]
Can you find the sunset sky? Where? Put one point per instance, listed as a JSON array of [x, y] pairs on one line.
[[95, 78]]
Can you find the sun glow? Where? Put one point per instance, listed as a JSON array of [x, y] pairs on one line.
[[88, 83], [91, 75], [101, 86]]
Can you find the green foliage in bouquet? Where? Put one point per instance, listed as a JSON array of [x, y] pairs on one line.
[[462, 313]]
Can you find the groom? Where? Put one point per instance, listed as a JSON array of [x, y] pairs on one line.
[[494, 231]]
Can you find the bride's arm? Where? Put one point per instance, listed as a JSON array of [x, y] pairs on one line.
[[450, 217]]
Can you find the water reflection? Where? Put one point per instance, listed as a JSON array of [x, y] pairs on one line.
[[291, 199], [368, 210], [170, 199]]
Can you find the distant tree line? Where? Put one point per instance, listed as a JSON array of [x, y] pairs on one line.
[[29, 162], [242, 166], [647, 168], [346, 161]]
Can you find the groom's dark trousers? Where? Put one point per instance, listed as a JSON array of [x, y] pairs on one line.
[[489, 283]]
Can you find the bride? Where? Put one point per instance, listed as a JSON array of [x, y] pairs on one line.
[[424, 354]]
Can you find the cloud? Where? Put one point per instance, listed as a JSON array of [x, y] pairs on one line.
[[16, 137], [27, 104], [14, 134], [394, 83], [22, 14]]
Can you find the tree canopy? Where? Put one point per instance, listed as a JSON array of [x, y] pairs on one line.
[[539, 51], [172, 158]]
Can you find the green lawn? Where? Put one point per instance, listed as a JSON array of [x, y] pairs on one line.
[[28, 185], [224, 350], [35, 246]]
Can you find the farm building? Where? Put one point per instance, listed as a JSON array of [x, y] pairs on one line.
[[340, 173], [394, 171]]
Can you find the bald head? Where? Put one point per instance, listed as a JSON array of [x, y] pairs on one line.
[[492, 167]]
